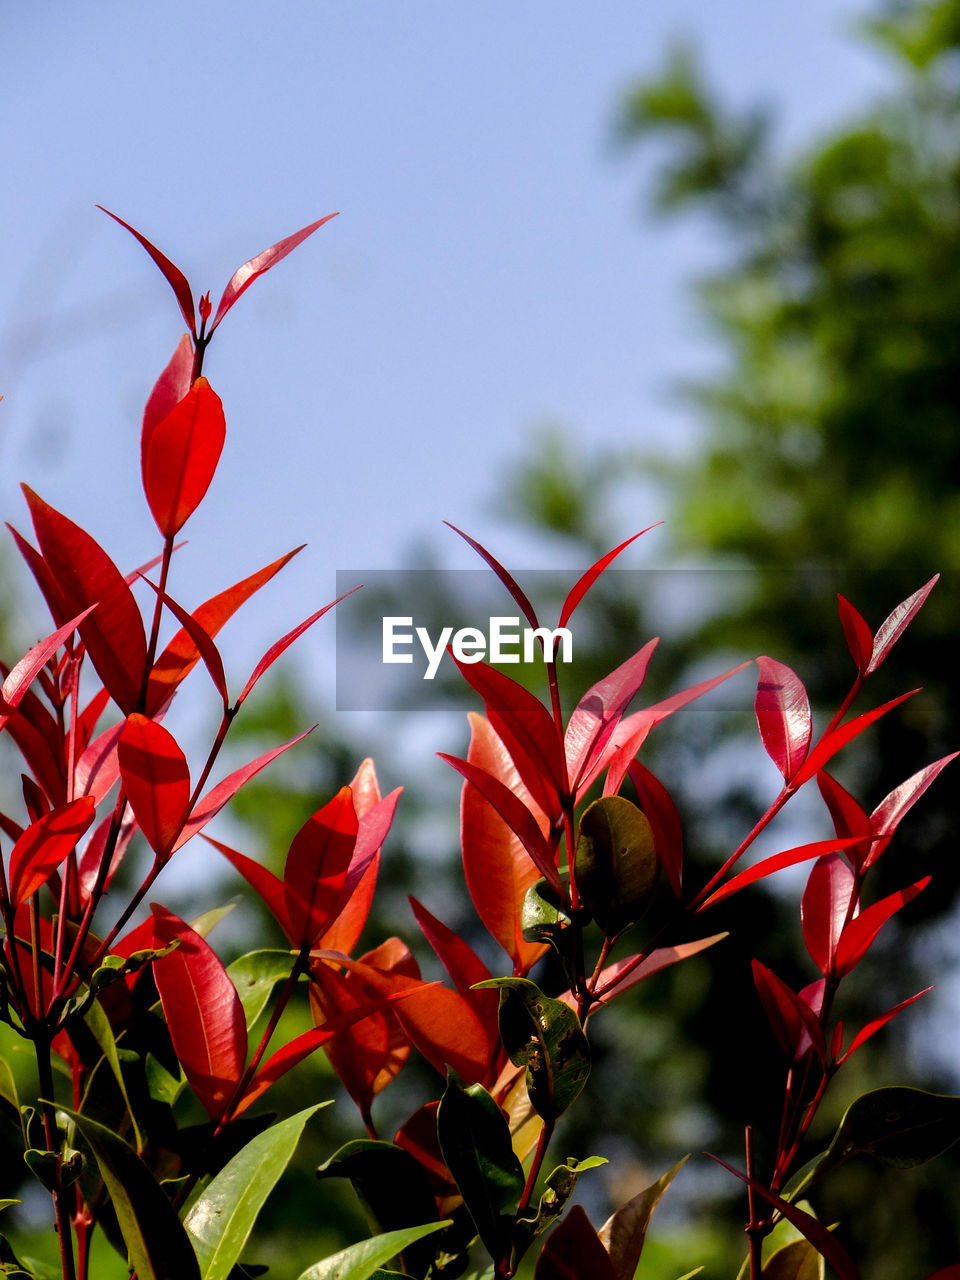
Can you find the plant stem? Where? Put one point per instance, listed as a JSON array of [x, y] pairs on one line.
[[41, 1044], [754, 1229]]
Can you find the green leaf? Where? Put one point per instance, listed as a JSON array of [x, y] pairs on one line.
[[475, 1142], [362, 1261], [796, 1261], [615, 866], [221, 1220], [99, 1026], [624, 1233], [8, 1085], [10, 1264], [558, 1189], [545, 1036], [157, 1244], [255, 975], [544, 917], [897, 1126]]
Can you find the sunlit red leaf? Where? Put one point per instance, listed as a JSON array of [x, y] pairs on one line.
[[860, 933], [858, 635], [789, 1014], [202, 1010], [201, 640], [44, 845], [42, 576], [776, 862], [849, 818], [180, 456], [93, 853], [508, 580], [156, 780], [661, 812], [22, 675], [317, 864], [98, 767], [244, 276], [349, 913], [275, 650], [619, 977], [600, 710], [85, 576], [463, 965], [173, 275], [894, 625], [887, 815], [169, 389], [783, 716], [874, 1026], [584, 583], [831, 743], [825, 907], [264, 883]]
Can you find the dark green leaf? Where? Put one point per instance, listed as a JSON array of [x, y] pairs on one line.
[[99, 1026], [558, 1189], [475, 1142], [616, 868], [897, 1126], [545, 1036]]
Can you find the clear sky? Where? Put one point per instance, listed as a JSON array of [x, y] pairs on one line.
[[489, 269]]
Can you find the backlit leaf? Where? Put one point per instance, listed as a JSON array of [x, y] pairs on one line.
[[783, 716], [317, 864], [156, 780], [181, 457], [599, 712], [172, 274], [825, 907], [361, 1261], [624, 1233], [169, 389], [586, 581], [796, 1261], [860, 933], [45, 844], [894, 625]]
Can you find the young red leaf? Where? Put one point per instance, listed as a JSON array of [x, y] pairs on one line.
[[783, 716], [584, 583], [624, 974], [202, 1010], [180, 456], [204, 645], [275, 650], [42, 576], [44, 845], [831, 743], [523, 604], [156, 780], [573, 1251], [244, 276], [894, 625], [887, 815], [349, 913], [173, 275], [98, 768], [22, 675], [497, 869], [874, 1026], [657, 803], [776, 862], [86, 576], [316, 866], [860, 933], [514, 813], [825, 907], [264, 883], [92, 857], [858, 635], [789, 1015], [464, 967], [169, 389], [849, 819], [182, 653], [600, 710], [210, 805]]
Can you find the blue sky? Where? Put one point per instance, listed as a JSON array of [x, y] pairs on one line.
[[489, 270]]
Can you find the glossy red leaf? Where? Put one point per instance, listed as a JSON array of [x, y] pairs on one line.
[[894, 625], [42, 576], [44, 761], [788, 1013], [783, 716], [661, 812], [464, 967], [98, 767], [169, 389], [508, 580], [776, 862], [267, 886], [600, 710], [831, 743], [172, 274], [202, 1010], [574, 1251], [180, 456], [808, 1226], [374, 816], [619, 977], [85, 576], [825, 907], [275, 650], [887, 816], [244, 276], [22, 675], [204, 644], [849, 818], [209, 806], [92, 857], [874, 1026], [584, 583], [316, 866], [858, 635], [156, 780], [498, 870], [44, 845], [860, 933], [514, 813], [182, 653]]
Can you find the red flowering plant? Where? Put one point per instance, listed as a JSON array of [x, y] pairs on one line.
[[139, 1018]]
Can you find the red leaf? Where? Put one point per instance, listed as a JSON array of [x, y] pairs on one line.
[[265, 884], [275, 650], [573, 1251], [849, 819], [894, 625], [600, 710], [44, 845], [92, 857], [204, 645], [612, 984], [26, 670], [464, 967], [873, 1027], [523, 604], [98, 768], [789, 1015], [182, 653], [860, 933], [825, 907], [156, 780], [203, 1012], [86, 576], [244, 276], [42, 576], [497, 869], [657, 803], [173, 275], [818, 1235], [776, 862], [583, 584], [858, 634], [180, 455], [169, 389], [211, 804], [514, 813], [831, 743], [349, 915], [783, 715], [317, 865], [887, 815]]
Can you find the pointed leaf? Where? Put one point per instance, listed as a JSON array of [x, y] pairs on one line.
[[275, 650], [624, 974], [169, 389], [783, 715], [45, 844], [181, 456], [874, 1026], [600, 710], [268, 886], [173, 275], [584, 583], [23, 674], [858, 635], [789, 1014], [897, 1126], [894, 625], [220, 1222], [887, 815], [205, 646], [361, 1261], [831, 743], [463, 965], [825, 907], [156, 780], [776, 862], [657, 803], [316, 866], [624, 1233], [860, 933], [244, 276], [796, 1261], [523, 604], [573, 1251], [349, 913], [849, 818]]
